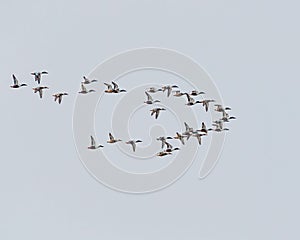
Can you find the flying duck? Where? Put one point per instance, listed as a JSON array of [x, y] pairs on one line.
[[59, 96], [163, 141], [196, 93], [220, 108], [116, 88], [156, 111], [153, 90], [191, 101], [150, 99], [88, 81], [180, 137], [40, 90], [16, 83], [188, 131], [93, 144], [168, 88], [38, 76], [133, 143], [178, 93], [112, 139], [205, 103], [84, 90]]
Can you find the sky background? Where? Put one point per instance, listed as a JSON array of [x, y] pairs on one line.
[[250, 48]]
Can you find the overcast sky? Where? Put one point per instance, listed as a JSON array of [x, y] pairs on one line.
[[250, 48]]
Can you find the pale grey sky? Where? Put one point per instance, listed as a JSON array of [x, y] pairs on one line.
[[251, 49]]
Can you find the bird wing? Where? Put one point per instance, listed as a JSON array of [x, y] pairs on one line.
[[169, 91], [59, 99], [115, 85], [92, 141], [187, 128], [169, 145], [15, 80], [206, 106], [152, 111], [111, 137], [108, 86], [41, 93], [133, 146], [199, 138], [203, 126], [156, 114], [149, 97]]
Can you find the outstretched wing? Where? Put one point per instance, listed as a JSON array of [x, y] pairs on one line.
[[169, 91], [115, 85], [187, 128], [93, 143], [15, 80], [59, 99], [156, 114], [169, 146], [108, 86], [149, 97], [133, 146], [203, 126], [111, 137], [199, 139], [41, 93]]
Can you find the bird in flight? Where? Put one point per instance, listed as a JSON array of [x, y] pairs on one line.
[[156, 111], [38, 76], [84, 90], [59, 96], [112, 139], [93, 144], [168, 88], [16, 83], [88, 81], [133, 143], [39, 90], [150, 99]]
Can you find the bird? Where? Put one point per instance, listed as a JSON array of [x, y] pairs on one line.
[[40, 90], [217, 129], [188, 131], [220, 108], [198, 136], [168, 88], [153, 90], [93, 144], [191, 101], [178, 136], [112, 139], [84, 90], [116, 88], [203, 129], [133, 143], [196, 93], [16, 83], [88, 81], [170, 148], [218, 124], [163, 141], [150, 99], [59, 96], [205, 103], [163, 153], [156, 111], [226, 117], [178, 93], [38, 76]]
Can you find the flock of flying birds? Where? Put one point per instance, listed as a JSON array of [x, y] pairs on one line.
[[113, 88]]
